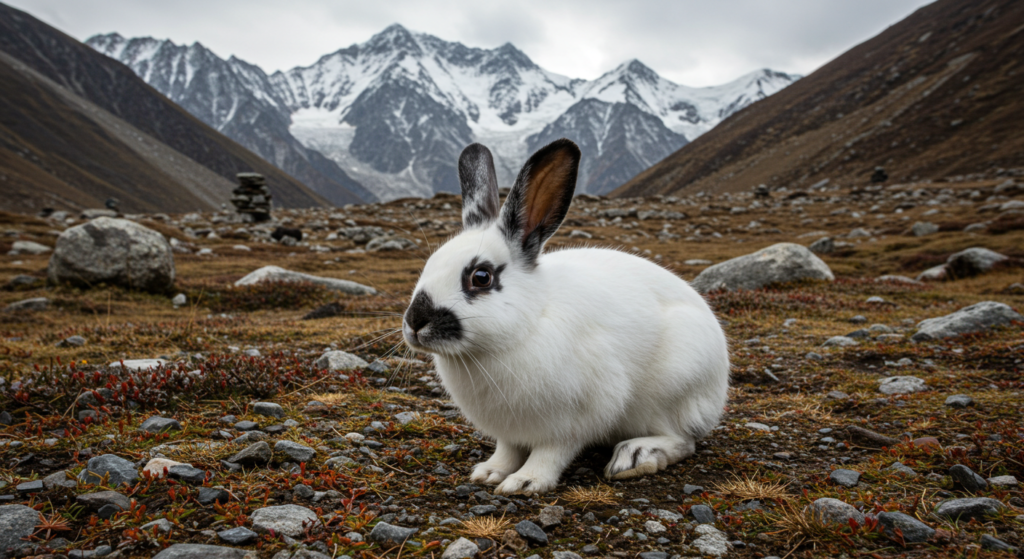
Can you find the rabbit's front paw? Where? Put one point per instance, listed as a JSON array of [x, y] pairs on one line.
[[490, 474], [528, 484]]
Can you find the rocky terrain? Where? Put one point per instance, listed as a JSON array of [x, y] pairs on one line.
[[189, 385]]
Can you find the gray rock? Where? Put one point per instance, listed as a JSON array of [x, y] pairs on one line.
[[647, 554], [779, 263], [833, 511], [100, 499], [119, 470], [966, 509], [846, 478], [483, 510], [28, 247], [824, 245], [967, 478], [162, 525], [59, 479], [711, 541], [691, 489], [389, 534], [901, 385], [975, 318], [271, 274], [239, 535], [187, 473], [935, 273], [995, 544], [179, 300], [302, 552], [295, 451], [901, 468], [461, 549], [563, 555], [72, 341], [922, 228], [532, 533], [16, 522], [914, 531], [703, 514], [667, 515], [113, 251], [550, 516], [1003, 481], [406, 417], [269, 409], [34, 486], [972, 262], [303, 491], [290, 520], [157, 424], [248, 437], [247, 426], [138, 364], [340, 361], [254, 454], [386, 244], [210, 495], [201, 551], [339, 462], [33, 304], [897, 279], [93, 213], [839, 341], [959, 401], [654, 527]]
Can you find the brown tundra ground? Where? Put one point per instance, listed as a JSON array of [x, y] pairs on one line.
[[230, 347]]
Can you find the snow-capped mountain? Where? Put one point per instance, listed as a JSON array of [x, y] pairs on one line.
[[396, 111], [235, 98]]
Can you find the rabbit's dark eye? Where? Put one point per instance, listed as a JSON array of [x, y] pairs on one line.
[[482, 278]]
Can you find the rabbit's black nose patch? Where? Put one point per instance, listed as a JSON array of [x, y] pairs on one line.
[[444, 325]]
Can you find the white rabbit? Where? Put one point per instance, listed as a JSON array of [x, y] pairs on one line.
[[549, 353]]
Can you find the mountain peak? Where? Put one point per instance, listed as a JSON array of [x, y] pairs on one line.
[[640, 70], [395, 38]]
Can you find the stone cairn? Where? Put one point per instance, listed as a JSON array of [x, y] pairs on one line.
[[252, 197]]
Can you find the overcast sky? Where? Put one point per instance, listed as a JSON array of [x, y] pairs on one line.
[[692, 42]]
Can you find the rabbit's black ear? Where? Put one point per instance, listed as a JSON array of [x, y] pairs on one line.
[[479, 187], [540, 197]]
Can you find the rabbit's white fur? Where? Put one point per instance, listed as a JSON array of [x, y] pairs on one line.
[[580, 347]]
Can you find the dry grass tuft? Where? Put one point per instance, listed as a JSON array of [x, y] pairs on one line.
[[485, 527], [752, 489], [331, 398], [793, 524], [585, 496]]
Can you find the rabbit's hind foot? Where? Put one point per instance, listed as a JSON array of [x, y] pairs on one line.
[[647, 455]]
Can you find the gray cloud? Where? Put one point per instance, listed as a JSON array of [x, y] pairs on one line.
[[688, 41]]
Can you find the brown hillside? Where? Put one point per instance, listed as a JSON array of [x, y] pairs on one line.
[[114, 88], [58, 150], [939, 94]]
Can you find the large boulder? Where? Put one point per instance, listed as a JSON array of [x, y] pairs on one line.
[[975, 318], [972, 262], [270, 274], [780, 263], [113, 251]]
